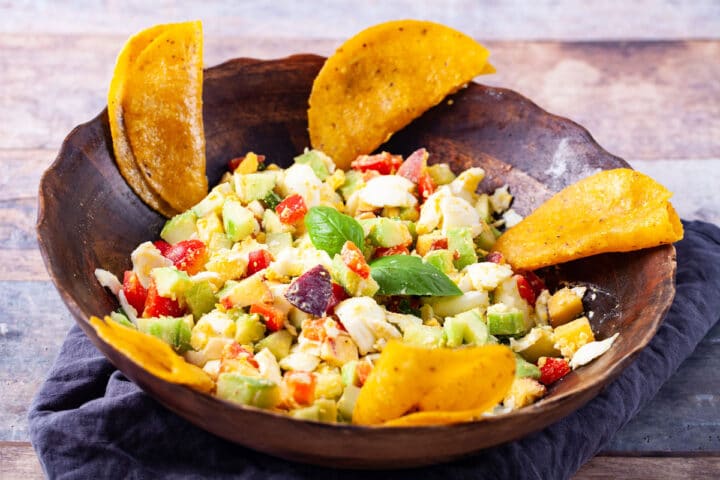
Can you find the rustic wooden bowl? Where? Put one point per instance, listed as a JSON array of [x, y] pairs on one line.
[[89, 218]]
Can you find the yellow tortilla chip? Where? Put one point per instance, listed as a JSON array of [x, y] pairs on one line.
[[617, 210], [384, 77], [152, 354], [413, 385], [155, 115]]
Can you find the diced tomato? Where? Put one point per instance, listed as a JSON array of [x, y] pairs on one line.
[[362, 370], [338, 295], [134, 292], [235, 162], [235, 351], [525, 290], [301, 386], [396, 250], [354, 259], [552, 369], [426, 186], [495, 257], [188, 255], [156, 306], [163, 246], [383, 163], [292, 209], [439, 244], [274, 318], [314, 329], [535, 282], [258, 260], [414, 166]]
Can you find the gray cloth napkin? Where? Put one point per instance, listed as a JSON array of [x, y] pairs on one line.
[[89, 421]]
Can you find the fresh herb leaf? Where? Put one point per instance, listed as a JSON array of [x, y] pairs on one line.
[[408, 275], [271, 200], [330, 229]]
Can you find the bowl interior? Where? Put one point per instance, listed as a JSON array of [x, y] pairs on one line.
[[89, 218]]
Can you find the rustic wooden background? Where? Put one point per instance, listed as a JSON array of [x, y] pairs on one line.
[[643, 77]]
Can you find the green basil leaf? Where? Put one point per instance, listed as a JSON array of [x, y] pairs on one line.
[[330, 229], [409, 275]]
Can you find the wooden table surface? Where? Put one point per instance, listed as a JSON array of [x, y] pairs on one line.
[[643, 77]]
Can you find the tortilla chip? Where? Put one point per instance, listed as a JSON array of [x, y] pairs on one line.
[[384, 77], [617, 210], [155, 115], [412, 385], [152, 354]]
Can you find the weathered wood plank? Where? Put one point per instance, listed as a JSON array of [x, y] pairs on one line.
[[17, 224], [19, 462], [564, 19], [637, 98], [20, 172], [22, 265]]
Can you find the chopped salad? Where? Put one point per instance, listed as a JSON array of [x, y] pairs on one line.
[[284, 285]]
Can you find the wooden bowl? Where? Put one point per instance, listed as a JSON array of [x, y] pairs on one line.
[[89, 218]]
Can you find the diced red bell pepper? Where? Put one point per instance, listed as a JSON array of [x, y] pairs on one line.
[[156, 306], [414, 166], [163, 246], [426, 186], [292, 209], [188, 255], [495, 257], [258, 260], [383, 163], [235, 351], [338, 295], [552, 369], [362, 370], [134, 292], [301, 386], [439, 244], [274, 318], [396, 250], [354, 259], [525, 290], [535, 282]]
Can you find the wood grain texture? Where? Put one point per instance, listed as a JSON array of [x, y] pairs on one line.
[[18, 462], [509, 19]]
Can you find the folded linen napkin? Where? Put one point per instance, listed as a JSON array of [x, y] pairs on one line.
[[89, 421]]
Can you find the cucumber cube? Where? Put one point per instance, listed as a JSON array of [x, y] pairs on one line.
[[257, 392], [180, 227]]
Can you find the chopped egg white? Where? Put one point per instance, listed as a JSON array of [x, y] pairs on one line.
[[488, 275], [146, 257], [590, 351], [388, 191]]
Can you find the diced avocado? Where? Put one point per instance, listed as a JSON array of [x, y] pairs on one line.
[[423, 336], [524, 369], [503, 320], [219, 241], [563, 306], [454, 332], [353, 283], [257, 392], [170, 282], [277, 242], [311, 413], [278, 343], [271, 223], [200, 298], [409, 214], [347, 401], [476, 331], [349, 373], [120, 318], [353, 181], [460, 240], [328, 384], [385, 232], [239, 222], [540, 342], [213, 202], [249, 329], [173, 331], [441, 173], [328, 410], [180, 227], [317, 160], [253, 186], [507, 293], [486, 239], [441, 259], [482, 206]]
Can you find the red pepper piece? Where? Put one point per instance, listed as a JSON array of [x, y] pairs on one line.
[[134, 292], [188, 255], [552, 369], [156, 306], [292, 209], [258, 260], [274, 318], [354, 259], [383, 163]]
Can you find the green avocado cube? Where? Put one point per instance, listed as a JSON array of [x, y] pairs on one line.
[[353, 283], [257, 392], [347, 401], [385, 232], [173, 331], [239, 222], [171, 282], [200, 298], [317, 160], [423, 336], [311, 413], [122, 319], [249, 329], [349, 373], [523, 368], [253, 186], [476, 331], [486, 239], [505, 321], [460, 240], [441, 259], [454, 330], [441, 173], [278, 343], [180, 227], [353, 181]]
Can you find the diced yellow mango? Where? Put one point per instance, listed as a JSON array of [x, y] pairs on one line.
[[571, 336], [523, 392], [540, 342], [563, 306], [209, 225]]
